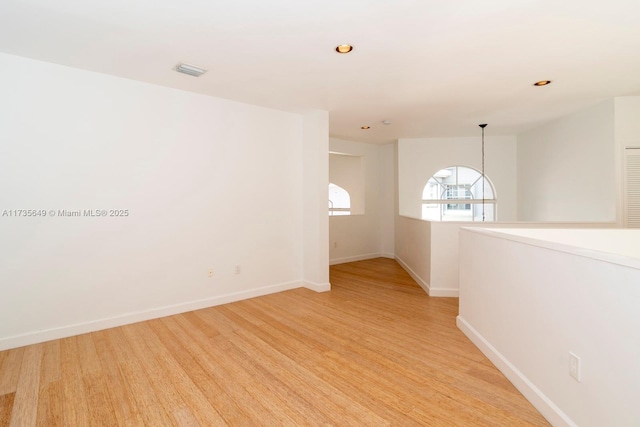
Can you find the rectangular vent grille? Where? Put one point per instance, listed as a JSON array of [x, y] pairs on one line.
[[190, 69], [632, 187]]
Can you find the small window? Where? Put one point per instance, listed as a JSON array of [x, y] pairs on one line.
[[346, 191], [456, 194], [339, 201]]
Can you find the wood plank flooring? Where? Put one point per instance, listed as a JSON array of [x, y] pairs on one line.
[[375, 351]]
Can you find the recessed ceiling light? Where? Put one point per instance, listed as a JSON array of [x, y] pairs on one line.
[[542, 83], [386, 122], [344, 48], [365, 127], [191, 70]]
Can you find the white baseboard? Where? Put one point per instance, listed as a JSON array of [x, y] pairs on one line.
[[354, 258], [423, 284], [430, 290], [539, 400], [318, 287], [128, 318], [388, 255], [443, 292]]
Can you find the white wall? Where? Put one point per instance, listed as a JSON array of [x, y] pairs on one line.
[[429, 250], [413, 249], [315, 229], [554, 189], [527, 303], [445, 260], [419, 159], [367, 235], [627, 131], [346, 171], [627, 120], [387, 197], [197, 175], [567, 169]]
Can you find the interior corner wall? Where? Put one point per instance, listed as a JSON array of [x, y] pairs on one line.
[[420, 158], [567, 169], [367, 235], [315, 161], [413, 249], [188, 184], [387, 198], [627, 120]]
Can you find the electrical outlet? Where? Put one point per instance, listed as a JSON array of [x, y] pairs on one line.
[[210, 273], [574, 367], [238, 269]]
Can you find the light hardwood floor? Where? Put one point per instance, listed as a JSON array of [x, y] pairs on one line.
[[374, 351]]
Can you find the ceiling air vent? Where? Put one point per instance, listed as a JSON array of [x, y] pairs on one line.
[[190, 69]]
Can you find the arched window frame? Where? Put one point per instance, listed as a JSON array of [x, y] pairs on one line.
[[460, 199], [339, 201]]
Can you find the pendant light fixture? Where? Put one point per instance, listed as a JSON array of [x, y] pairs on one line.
[[484, 125]]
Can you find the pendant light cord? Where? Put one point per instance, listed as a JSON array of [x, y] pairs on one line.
[[483, 126]]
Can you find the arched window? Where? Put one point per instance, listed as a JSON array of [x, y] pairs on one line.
[[339, 201], [455, 194]]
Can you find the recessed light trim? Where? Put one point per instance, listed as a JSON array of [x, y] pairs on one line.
[[365, 127], [344, 48], [542, 83], [191, 70]]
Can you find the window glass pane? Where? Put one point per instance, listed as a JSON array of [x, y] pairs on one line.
[[489, 212], [433, 190], [448, 176], [338, 197], [457, 212], [431, 211], [444, 173], [463, 187], [467, 175], [452, 182], [477, 189], [456, 192]]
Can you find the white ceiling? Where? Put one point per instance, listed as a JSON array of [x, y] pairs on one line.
[[431, 67]]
